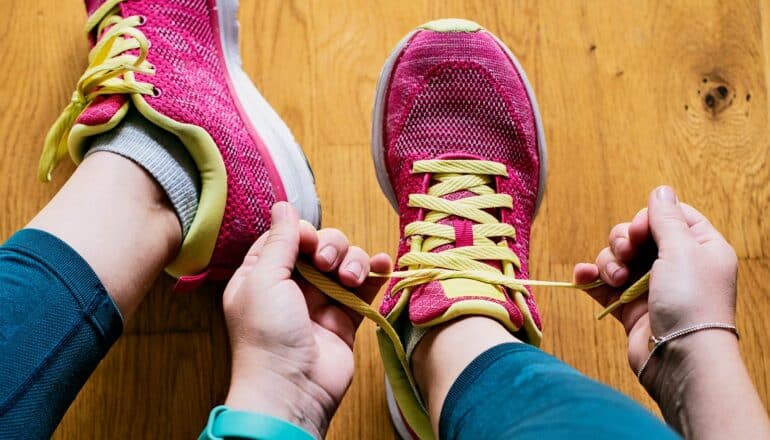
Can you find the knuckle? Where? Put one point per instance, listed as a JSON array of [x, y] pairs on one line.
[[356, 251], [619, 230], [670, 216], [333, 234], [278, 238], [604, 256]]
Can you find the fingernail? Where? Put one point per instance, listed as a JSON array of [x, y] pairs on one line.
[[305, 222], [355, 268], [665, 194], [329, 254], [613, 269]]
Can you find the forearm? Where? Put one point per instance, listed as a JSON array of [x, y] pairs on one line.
[[704, 390]]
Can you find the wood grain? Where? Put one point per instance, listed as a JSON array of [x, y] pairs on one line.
[[631, 94]]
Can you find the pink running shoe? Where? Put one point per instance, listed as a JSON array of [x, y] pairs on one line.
[[178, 63], [459, 151]]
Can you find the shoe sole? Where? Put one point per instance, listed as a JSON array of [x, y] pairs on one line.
[[378, 150], [399, 423], [285, 153]]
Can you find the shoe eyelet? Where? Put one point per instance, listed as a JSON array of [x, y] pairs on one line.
[[142, 20], [156, 92]]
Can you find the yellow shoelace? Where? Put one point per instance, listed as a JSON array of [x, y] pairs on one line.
[[466, 262], [110, 71]]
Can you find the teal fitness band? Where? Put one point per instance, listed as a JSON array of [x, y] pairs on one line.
[[225, 423]]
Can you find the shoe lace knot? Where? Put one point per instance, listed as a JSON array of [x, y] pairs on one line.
[[120, 52]]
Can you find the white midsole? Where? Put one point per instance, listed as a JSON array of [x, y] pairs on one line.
[[395, 415], [285, 152], [378, 149]]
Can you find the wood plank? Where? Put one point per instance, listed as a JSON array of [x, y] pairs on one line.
[[150, 386], [620, 85]]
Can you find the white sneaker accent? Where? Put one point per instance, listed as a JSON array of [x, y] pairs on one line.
[[285, 152]]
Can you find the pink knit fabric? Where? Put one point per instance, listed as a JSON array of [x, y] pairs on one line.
[[193, 83], [458, 95]]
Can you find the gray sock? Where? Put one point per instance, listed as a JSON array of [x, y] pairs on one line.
[[162, 155]]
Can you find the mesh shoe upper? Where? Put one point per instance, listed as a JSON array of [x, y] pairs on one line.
[[195, 101], [458, 95]]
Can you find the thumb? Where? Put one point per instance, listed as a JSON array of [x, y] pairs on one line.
[[279, 252], [667, 221]]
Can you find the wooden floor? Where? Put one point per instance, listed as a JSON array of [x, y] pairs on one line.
[[631, 98]]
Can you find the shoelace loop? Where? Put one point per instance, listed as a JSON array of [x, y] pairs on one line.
[[110, 71]]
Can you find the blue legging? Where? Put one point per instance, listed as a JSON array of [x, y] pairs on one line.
[[518, 391], [57, 322]]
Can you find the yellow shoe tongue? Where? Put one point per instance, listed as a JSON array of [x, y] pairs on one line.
[[460, 287]]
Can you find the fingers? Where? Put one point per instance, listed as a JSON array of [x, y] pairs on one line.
[[322, 307], [611, 270], [585, 273], [308, 238], [702, 229], [354, 267], [331, 249], [619, 242], [283, 223], [380, 263], [280, 246], [667, 222], [639, 229]]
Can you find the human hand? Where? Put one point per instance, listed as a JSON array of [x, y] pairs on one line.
[[692, 280], [291, 345]]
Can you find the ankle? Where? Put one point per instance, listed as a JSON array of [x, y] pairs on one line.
[[446, 350], [118, 219]]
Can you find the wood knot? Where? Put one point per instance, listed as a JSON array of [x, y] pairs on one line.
[[717, 96]]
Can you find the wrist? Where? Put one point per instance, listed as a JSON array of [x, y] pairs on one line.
[[267, 384], [684, 362]]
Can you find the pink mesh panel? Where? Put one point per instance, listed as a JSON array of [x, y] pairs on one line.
[[429, 302], [101, 110], [192, 79], [92, 5], [459, 94], [193, 84]]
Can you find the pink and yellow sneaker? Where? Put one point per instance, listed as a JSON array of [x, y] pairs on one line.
[[178, 63], [459, 151]]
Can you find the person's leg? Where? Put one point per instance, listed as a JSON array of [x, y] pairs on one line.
[[99, 243], [115, 215], [479, 381]]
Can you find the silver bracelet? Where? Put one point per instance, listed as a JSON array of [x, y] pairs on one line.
[[656, 343]]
